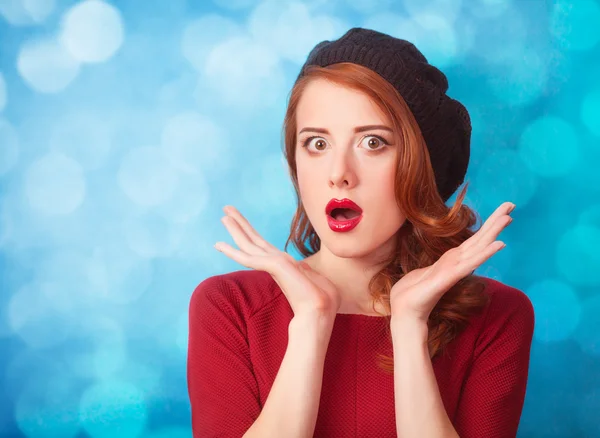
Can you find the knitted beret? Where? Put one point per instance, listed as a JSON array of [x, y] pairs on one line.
[[444, 122]]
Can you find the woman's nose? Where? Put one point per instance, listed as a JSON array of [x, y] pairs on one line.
[[341, 172]]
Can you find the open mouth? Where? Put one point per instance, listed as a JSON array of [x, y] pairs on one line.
[[343, 214]]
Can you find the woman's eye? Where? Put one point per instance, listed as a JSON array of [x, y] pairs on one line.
[[320, 143], [374, 143]]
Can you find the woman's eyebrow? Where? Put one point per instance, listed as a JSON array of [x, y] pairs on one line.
[[356, 130]]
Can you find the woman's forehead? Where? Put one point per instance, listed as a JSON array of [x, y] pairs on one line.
[[324, 103]]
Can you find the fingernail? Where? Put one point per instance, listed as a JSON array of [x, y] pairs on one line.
[[216, 247], [512, 208]]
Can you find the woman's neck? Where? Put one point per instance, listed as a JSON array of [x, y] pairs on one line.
[[351, 277]]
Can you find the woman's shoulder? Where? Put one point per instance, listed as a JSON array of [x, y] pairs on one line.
[[245, 291], [507, 306], [504, 297]]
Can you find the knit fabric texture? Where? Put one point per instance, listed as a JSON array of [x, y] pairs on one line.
[[444, 122], [238, 335]]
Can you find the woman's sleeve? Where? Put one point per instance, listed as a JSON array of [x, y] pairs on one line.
[[493, 393], [222, 388]]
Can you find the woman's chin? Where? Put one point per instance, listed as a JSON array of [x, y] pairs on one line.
[[347, 247]]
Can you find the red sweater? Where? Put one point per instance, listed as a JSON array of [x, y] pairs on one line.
[[238, 333]]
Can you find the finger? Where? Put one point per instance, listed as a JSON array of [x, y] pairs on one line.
[[491, 235], [252, 234], [241, 257], [489, 224], [304, 265], [265, 263], [480, 257], [240, 237]]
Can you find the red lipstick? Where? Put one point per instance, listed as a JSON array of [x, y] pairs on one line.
[[346, 219]]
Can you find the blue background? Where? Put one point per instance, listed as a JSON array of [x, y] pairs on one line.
[[126, 126]]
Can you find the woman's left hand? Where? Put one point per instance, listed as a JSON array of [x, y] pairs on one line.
[[415, 295]]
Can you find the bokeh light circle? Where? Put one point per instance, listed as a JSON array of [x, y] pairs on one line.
[[146, 176], [46, 66], [369, 6], [577, 256], [549, 146], [101, 350], [235, 5], [200, 35], [437, 39], [170, 432], [443, 8], [80, 136], [488, 8], [503, 176], [113, 408], [520, 83], [92, 31], [9, 147], [55, 184], [293, 29], [557, 310], [587, 334], [3, 97], [590, 111], [26, 12], [575, 24], [48, 407], [30, 314], [150, 235], [39, 10], [194, 142], [117, 274], [254, 80]]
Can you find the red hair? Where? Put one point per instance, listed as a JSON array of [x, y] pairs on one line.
[[431, 228]]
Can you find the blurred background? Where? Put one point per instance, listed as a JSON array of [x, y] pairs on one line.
[[125, 127]]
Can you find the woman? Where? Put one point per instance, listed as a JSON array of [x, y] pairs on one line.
[[289, 348]]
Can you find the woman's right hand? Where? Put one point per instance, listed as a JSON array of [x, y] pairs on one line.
[[307, 291]]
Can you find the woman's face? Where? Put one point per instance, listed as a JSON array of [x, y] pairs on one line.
[[339, 162]]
